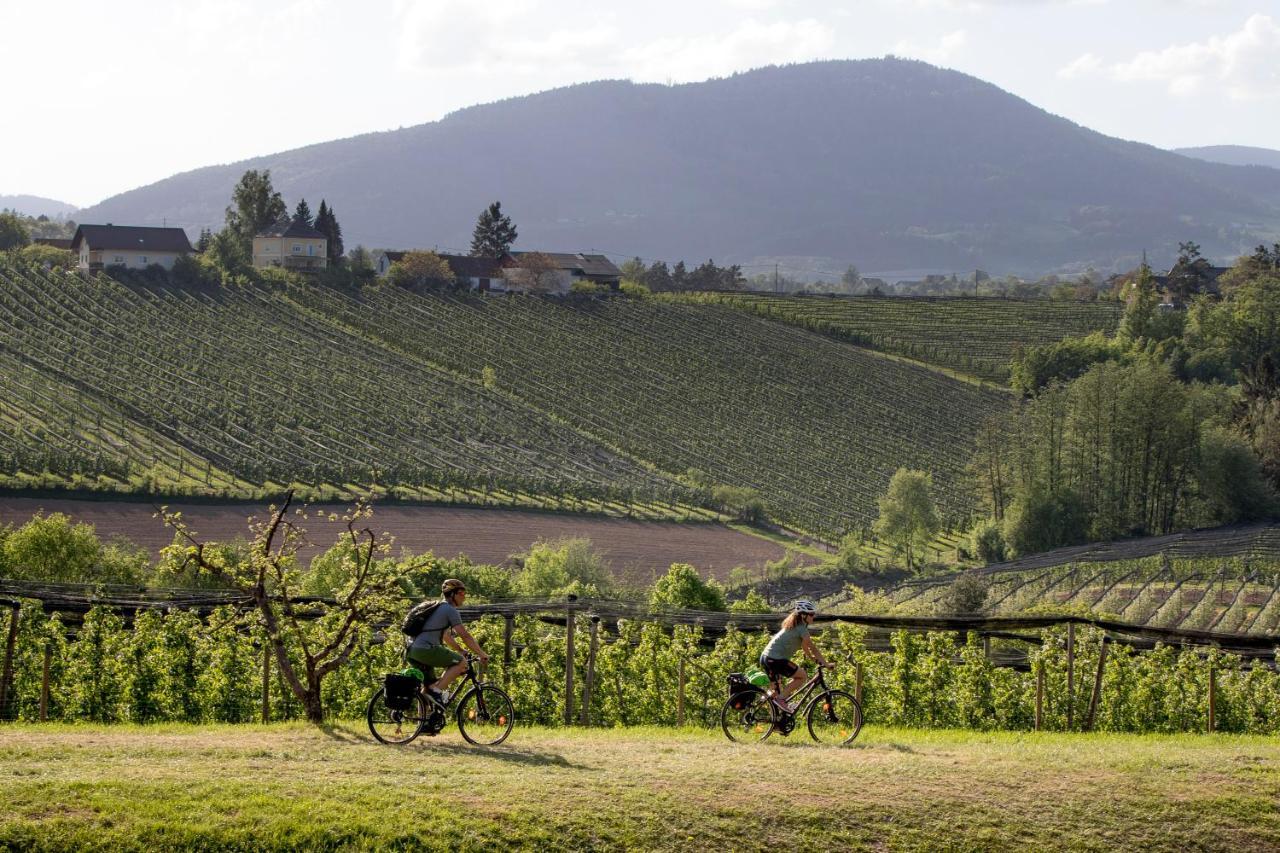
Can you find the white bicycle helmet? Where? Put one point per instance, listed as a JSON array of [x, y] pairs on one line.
[[804, 605]]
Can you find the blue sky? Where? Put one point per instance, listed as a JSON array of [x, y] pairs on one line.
[[108, 97]]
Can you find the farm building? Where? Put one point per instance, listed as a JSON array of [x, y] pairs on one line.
[[131, 246], [564, 268], [559, 270], [292, 244]]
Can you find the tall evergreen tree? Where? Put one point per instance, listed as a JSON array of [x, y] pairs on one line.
[[204, 241], [327, 224], [254, 206], [303, 212], [494, 234]]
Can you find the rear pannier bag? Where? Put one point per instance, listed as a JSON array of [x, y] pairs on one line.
[[740, 690], [400, 690]]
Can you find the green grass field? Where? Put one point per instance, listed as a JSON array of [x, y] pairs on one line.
[[291, 786]]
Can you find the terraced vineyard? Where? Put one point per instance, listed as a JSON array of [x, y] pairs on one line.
[[972, 335], [1227, 580], [597, 403]]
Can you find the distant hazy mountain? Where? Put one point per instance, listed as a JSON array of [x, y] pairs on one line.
[[888, 164], [1235, 155], [33, 205]]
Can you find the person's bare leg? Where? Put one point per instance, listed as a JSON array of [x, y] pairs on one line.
[[794, 684], [443, 682]]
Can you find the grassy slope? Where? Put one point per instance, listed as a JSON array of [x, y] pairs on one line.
[[288, 786]]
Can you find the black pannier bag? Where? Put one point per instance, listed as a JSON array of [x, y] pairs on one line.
[[400, 691], [740, 690]]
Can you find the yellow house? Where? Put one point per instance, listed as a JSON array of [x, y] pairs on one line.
[[292, 244]]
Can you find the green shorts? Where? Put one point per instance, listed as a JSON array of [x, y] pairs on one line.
[[441, 656]]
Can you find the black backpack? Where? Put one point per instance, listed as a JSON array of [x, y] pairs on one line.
[[416, 618]]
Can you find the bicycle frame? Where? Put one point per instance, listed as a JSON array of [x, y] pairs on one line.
[[468, 675], [801, 698]]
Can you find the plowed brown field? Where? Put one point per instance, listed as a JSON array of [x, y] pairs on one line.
[[638, 551]]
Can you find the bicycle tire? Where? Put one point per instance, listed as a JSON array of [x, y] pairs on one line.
[[834, 717], [393, 722], [486, 715], [753, 722]]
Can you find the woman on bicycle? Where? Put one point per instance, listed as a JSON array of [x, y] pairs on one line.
[[776, 659]]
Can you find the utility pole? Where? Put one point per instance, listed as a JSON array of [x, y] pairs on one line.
[[776, 287]]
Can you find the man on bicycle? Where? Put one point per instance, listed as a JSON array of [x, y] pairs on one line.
[[437, 642], [776, 658]]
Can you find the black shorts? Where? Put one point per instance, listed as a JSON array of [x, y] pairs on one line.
[[777, 667]]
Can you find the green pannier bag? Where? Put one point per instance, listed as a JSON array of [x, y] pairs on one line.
[[757, 677]]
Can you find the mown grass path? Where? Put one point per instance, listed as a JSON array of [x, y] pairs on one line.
[[289, 786]]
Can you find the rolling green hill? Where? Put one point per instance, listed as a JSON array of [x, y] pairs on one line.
[[146, 386], [972, 335]]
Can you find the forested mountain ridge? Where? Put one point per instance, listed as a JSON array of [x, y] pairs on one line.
[[1235, 155], [888, 164]]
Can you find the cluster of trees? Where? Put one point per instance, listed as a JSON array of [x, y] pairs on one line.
[[1089, 286], [17, 232], [1172, 422], [255, 206], [658, 277]]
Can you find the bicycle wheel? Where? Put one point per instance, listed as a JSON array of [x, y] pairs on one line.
[[834, 717], [755, 720], [392, 726], [485, 716]]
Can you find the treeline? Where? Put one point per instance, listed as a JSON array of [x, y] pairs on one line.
[[1173, 422], [658, 277]]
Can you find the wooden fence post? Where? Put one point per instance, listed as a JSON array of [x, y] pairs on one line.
[[857, 682], [266, 682], [589, 683], [1213, 702], [508, 630], [1040, 697], [1096, 696], [568, 665], [44, 683], [680, 695], [1071, 674], [6, 677]]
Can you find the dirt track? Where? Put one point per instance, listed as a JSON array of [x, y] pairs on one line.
[[637, 550]]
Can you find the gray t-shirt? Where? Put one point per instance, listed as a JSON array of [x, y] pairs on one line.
[[784, 644], [444, 616]]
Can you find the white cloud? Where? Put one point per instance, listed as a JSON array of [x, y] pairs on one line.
[[1084, 65], [1244, 64], [939, 53], [751, 44], [515, 37], [985, 5]]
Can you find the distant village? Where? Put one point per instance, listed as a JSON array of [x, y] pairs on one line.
[[295, 245]]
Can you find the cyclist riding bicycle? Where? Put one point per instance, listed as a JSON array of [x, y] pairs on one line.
[[776, 658], [437, 642]]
